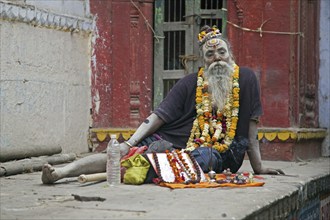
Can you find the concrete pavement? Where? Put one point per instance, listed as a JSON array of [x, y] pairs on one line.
[[23, 196]]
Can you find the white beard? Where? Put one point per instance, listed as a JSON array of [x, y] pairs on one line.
[[218, 75]]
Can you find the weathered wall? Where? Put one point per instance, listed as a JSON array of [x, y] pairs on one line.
[[271, 55], [45, 77], [324, 80], [69, 7], [121, 63]]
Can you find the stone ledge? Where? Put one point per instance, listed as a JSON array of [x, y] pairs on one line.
[[290, 134], [304, 193], [291, 144], [268, 134], [99, 137], [310, 200], [286, 144], [103, 133]]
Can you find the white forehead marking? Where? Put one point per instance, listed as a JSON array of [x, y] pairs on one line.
[[213, 42]]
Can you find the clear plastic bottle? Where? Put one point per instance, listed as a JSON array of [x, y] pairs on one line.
[[113, 161]]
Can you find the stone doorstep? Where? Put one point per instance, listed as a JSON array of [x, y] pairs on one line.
[[290, 134], [285, 144], [294, 151], [293, 144], [99, 137], [310, 199]]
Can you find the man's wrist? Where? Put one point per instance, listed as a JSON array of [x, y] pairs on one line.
[[128, 143]]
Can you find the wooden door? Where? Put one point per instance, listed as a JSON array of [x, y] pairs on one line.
[[176, 51], [309, 64]]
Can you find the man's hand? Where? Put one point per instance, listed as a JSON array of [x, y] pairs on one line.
[[124, 149], [270, 171], [254, 153]]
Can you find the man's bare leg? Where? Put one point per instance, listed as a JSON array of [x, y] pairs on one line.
[[95, 163]]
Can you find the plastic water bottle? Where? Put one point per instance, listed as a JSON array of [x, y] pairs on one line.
[[113, 161]]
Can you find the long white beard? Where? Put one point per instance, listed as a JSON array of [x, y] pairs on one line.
[[218, 75]]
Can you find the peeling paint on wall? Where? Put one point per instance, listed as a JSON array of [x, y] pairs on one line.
[[97, 101], [122, 63]]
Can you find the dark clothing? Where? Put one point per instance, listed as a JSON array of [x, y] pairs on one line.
[[178, 111], [210, 159], [207, 158], [178, 108]]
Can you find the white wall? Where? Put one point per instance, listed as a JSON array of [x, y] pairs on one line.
[[69, 7], [44, 78], [324, 80]]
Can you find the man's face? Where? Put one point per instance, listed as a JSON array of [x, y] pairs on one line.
[[218, 69], [215, 50]]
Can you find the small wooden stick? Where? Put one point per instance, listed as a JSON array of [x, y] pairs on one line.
[[92, 177]]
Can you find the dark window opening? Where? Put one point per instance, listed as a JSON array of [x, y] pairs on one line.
[[174, 46], [211, 4], [168, 84], [212, 22], [174, 10]]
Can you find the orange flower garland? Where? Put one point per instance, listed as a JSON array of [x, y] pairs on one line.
[[218, 130]]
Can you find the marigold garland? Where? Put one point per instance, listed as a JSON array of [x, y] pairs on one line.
[[214, 129]]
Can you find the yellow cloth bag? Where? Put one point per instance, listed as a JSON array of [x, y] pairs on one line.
[[137, 169]]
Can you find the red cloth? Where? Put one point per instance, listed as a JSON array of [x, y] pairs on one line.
[[208, 185], [134, 150]]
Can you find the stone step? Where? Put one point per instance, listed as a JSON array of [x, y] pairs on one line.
[[291, 144], [284, 144]]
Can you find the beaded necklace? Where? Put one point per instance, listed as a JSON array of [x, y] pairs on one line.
[[184, 165], [179, 178], [175, 157], [214, 129]]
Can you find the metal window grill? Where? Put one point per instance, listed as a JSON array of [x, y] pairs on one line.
[[168, 84], [174, 10], [212, 22], [174, 15], [174, 45], [211, 4]]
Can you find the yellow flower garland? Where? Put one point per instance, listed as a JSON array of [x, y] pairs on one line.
[[207, 130]]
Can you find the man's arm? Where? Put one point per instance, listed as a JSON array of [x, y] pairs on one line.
[[253, 152], [148, 127]]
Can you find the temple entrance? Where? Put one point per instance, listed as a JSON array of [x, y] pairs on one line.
[[176, 51]]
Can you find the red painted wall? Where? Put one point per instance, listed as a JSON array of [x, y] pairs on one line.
[[121, 63], [122, 59], [101, 64], [271, 56]]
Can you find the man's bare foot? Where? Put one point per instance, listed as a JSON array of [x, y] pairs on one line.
[[49, 174]]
